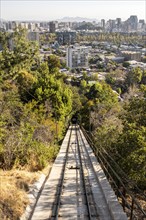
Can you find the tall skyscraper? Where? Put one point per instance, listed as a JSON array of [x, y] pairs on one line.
[[103, 23], [52, 27], [133, 22]]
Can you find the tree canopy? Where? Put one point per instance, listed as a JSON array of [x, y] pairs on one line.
[[36, 103]]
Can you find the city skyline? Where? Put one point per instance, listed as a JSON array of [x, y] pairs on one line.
[[53, 10]]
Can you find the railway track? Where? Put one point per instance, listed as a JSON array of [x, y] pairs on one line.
[[77, 187]]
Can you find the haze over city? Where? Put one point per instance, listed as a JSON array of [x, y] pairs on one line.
[[51, 10]]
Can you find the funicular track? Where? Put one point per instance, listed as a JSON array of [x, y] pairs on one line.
[[82, 191], [77, 187]]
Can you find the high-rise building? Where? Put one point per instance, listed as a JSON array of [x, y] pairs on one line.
[[103, 23], [142, 21], [14, 24], [66, 37], [52, 27], [142, 25], [118, 22], [110, 25], [31, 26], [77, 56], [133, 22], [24, 25]]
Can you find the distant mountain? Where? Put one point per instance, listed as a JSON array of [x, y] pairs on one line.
[[64, 19], [77, 19]]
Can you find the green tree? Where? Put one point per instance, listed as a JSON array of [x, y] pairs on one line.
[[100, 99], [102, 93], [53, 63], [131, 144], [36, 105], [134, 76], [126, 64], [83, 85], [21, 56]]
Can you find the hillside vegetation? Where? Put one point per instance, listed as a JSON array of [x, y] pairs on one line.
[[35, 108], [36, 105]]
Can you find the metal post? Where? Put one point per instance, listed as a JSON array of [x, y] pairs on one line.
[[90, 120], [132, 207], [56, 130], [123, 200]]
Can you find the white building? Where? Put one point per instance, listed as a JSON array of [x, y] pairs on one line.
[[77, 56]]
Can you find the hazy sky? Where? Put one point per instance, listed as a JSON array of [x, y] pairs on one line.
[[51, 10]]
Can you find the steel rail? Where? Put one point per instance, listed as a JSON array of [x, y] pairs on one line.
[[83, 176], [89, 162], [56, 205], [89, 159]]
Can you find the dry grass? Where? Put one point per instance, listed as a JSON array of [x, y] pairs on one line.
[[14, 185]]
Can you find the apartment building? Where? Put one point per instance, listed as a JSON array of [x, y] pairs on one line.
[[66, 37], [52, 27], [77, 57], [131, 55]]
